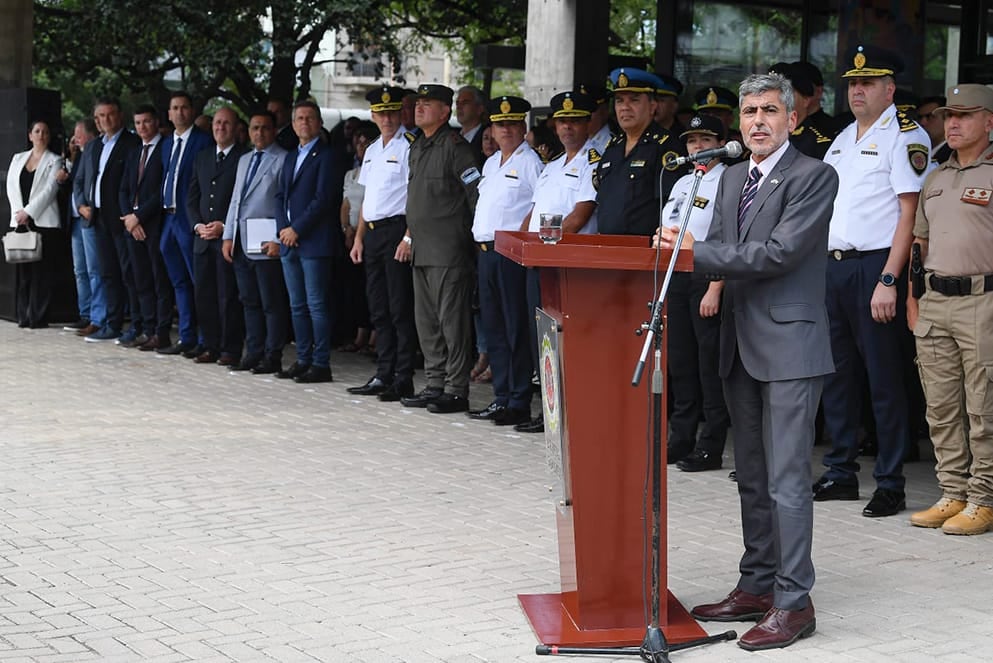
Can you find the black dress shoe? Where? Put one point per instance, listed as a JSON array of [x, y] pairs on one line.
[[826, 490], [511, 416], [397, 391], [371, 388], [536, 425], [426, 395], [268, 365], [195, 352], [448, 403], [885, 502], [488, 413], [676, 452], [295, 369], [206, 357], [246, 364], [314, 375], [700, 461], [176, 349]]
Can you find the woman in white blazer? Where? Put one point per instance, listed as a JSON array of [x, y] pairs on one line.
[[31, 190]]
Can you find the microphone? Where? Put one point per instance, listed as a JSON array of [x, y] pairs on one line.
[[732, 149]]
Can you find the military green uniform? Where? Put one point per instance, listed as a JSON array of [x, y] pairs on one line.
[[954, 329], [441, 197]]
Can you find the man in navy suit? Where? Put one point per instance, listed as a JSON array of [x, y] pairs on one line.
[[257, 268], [178, 151], [309, 196], [109, 160], [216, 293], [141, 197]]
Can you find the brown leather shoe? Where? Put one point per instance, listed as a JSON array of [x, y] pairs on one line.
[[206, 357], [780, 628], [87, 330], [228, 360], [738, 606], [151, 344]]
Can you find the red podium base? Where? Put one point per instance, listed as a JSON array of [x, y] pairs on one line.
[[553, 625]]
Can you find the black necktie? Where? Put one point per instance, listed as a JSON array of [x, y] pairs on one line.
[[256, 160], [220, 158], [748, 195], [141, 169]]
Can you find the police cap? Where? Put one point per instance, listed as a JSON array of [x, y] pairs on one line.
[[716, 98], [705, 124], [507, 109], [627, 79], [442, 93], [872, 62], [572, 104], [969, 98], [385, 98], [671, 86]]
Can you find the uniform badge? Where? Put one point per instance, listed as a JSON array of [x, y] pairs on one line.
[[975, 196], [504, 106], [622, 80], [695, 122], [470, 175], [385, 97], [700, 203], [711, 97], [638, 164], [918, 155], [593, 156], [567, 104], [859, 60], [669, 160]]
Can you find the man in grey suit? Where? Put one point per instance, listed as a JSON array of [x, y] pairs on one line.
[[257, 268], [769, 240]]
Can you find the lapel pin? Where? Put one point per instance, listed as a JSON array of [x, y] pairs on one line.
[[773, 181]]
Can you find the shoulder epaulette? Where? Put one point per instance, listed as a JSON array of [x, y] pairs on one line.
[[616, 140], [593, 156], [661, 139], [798, 131], [906, 124], [410, 136], [821, 138]]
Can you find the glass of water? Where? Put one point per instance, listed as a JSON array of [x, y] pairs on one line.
[[550, 230]]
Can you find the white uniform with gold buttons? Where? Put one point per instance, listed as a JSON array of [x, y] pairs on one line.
[[891, 158], [563, 184], [505, 192]]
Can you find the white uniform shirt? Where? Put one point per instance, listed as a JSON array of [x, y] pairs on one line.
[[384, 175], [561, 185], [872, 172], [703, 207], [505, 192]]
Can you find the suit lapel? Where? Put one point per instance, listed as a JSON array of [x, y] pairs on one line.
[[310, 158], [769, 186], [264, 165]]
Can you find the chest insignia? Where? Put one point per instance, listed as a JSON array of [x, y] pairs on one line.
[[975, 196]]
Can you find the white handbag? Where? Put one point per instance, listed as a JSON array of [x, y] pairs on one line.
[[22, 246]]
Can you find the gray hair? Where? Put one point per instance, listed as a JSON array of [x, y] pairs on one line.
[[480, 98], [759, 83]]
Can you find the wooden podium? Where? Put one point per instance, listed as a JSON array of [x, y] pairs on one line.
[[599, 289]]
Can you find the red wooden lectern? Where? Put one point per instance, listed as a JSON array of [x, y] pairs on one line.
[[599, 288]]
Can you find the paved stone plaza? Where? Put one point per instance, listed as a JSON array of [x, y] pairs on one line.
[[155, 510]]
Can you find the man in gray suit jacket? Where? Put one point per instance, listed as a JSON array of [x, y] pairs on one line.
[[769, 240], [257, 268]]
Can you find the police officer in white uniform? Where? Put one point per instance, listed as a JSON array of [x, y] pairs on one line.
[[693, 322], [505, 193], [881, 160]]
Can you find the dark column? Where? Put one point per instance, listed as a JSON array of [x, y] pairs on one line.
[[590, 45]]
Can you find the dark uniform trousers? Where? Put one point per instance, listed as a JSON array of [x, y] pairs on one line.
[[504, 310], [693, 345], [152, 286], [263, 297], [443, 315], [215, 291], [390, 294], [856, 341], [116, 272]]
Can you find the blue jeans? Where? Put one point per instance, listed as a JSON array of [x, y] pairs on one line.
[[79, 269], [98, 299], [307, 282]]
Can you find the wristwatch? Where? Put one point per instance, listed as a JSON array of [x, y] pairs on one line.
[[407, 239], [887, 279]]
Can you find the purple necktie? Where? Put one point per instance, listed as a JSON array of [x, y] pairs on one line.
[[748, 195]]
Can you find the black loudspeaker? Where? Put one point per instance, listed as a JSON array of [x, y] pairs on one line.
[[18, 108]]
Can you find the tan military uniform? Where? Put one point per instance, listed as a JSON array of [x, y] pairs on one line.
[[955, 324]]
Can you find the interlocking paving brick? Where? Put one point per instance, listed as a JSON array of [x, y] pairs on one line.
[[153, 509]]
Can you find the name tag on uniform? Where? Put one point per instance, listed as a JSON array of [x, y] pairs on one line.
[[469, 176], [638, 164], [573, 174], [870, 153], [975, 196], [835, 152], [700, 203]]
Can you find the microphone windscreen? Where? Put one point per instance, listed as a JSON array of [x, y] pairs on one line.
[[734, 149]]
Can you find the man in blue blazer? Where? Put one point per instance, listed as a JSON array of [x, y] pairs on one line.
[[178, 151], [768, 239], [308, 198], [141, 201], [257, 268]]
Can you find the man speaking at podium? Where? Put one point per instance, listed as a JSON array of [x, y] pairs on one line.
[[768, 239]]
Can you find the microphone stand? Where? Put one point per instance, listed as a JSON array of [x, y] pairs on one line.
[[654, 648]]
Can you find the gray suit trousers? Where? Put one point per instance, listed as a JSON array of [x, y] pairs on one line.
[[773, 424]]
